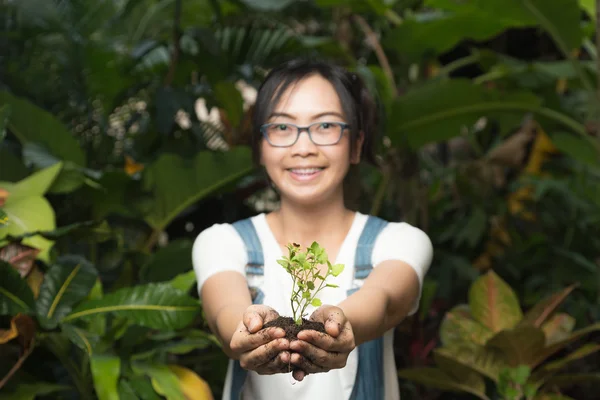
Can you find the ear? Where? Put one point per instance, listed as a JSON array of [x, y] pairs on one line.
[[356, 151]]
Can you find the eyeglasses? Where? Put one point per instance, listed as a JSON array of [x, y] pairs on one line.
[[320, 133]]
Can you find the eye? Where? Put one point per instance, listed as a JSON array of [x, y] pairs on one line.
[[325, 125], [281, 127]]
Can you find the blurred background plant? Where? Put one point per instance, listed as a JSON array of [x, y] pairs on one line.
[[124, 127]]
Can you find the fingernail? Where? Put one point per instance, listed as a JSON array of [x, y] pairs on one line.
[[253, 325]]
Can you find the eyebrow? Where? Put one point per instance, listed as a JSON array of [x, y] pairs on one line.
[[316, 116]]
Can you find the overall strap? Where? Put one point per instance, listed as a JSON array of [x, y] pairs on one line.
[[369, 383], [255, 277]]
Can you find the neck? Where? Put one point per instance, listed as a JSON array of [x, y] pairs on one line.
[[303, 224]]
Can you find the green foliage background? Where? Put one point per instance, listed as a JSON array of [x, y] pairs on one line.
[[124, 131]]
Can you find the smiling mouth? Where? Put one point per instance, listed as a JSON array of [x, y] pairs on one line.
[[305, 171]]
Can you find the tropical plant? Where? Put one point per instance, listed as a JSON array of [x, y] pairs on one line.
[[490, 147], [490, 336]]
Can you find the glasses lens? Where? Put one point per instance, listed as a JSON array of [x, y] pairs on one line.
[[281, 134], [326, 133]]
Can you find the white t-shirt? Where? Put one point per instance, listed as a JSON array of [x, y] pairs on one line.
[[220, 248]]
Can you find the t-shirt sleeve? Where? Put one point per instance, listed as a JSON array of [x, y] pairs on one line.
[[403, 242], [216, 249]]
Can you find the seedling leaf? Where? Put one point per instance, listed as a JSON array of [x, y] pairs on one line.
[[337, 269]]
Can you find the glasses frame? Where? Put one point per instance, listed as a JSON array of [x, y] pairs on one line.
[[306, 129]]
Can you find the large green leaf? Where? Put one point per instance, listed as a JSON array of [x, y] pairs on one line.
[[126, 391], [99, 231], [559, 18], [539, 313], [185, 281], [493, 303], [37, 184], [576, 147], [437, 378], [30, 391], [589, 6], [65, 284], [554, 348], [164, 381], [459, 326], [28, 211], [479, 20], [543, 374], [520, 346], [486, 361], [158, 306], [96, 325], [71, 176], [439, 33], [558, 328], [461, 373], [440, 110], [141, 385], [15, 294], [177, 183], [106, 370], [30, 123], [86, 341], [168, 262]]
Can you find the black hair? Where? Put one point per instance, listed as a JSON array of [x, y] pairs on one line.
[[357, 103]]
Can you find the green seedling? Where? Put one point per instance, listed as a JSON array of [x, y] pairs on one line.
[[303, 267]]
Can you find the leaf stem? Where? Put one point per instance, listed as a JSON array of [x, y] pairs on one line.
[[447, 69]]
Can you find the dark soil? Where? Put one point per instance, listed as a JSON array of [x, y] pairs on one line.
[[291, 329]]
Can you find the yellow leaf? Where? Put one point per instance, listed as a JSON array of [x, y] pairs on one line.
[[34, 280], [6, 335], [192, 386]]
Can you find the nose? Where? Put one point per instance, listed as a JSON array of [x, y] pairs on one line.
[[304, 146]]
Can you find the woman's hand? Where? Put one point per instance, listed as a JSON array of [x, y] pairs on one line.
[[320, 352], [258, 349]]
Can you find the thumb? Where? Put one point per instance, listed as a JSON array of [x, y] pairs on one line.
[[332, 317], [253, 321], [256, 316]]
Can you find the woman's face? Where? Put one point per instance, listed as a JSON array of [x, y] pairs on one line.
[[305, 172]]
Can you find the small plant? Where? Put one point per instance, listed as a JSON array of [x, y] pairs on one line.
[[491, 349], [308, 281], [513, 383]]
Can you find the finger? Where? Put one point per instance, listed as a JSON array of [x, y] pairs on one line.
[[306, 365], [278, 365], [263, 354], [318, 356], [342, 343], [332, 317], [298, 374], [244, 341], [256, 316]]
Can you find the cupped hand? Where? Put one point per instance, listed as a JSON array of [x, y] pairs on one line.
[[262, 350], [316, 352]]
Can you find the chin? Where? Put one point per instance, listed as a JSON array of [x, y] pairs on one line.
[[305, 197]]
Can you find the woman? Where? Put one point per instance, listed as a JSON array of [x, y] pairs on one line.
[[312, 120]]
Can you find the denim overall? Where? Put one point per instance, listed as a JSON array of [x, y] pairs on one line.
[[369, 384]]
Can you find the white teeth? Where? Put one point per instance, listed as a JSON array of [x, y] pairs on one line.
[[305, 171]]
